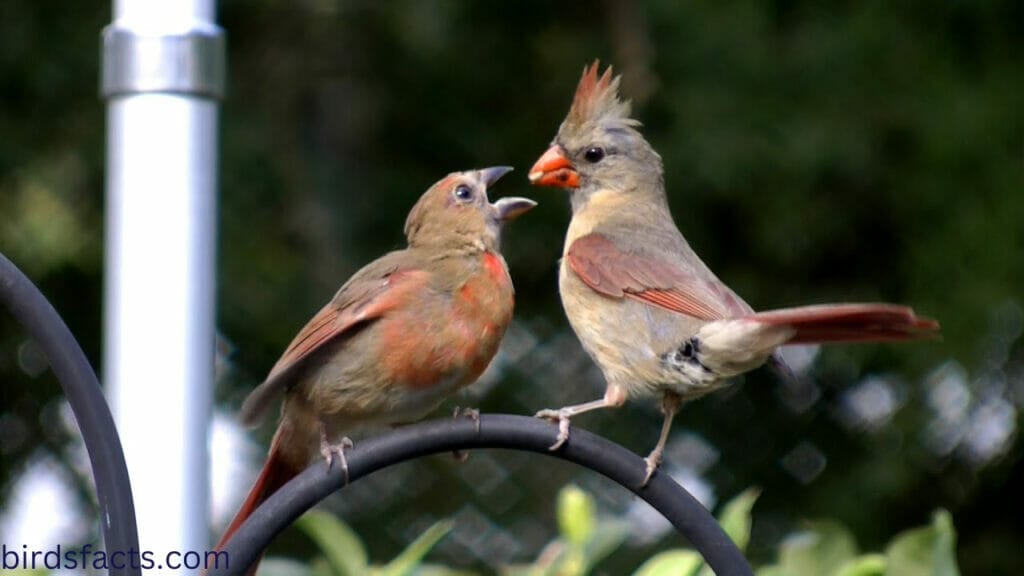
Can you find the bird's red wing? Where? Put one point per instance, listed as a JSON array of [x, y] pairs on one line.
[[352, 307], [328, 323], [362, 300], [616, 273]]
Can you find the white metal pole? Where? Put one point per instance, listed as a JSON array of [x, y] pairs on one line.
[[163, 73]]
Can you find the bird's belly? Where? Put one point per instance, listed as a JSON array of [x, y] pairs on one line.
[[403, 366], [630, 341]]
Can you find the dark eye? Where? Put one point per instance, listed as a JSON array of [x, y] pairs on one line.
[[594, 154], [463, 193]]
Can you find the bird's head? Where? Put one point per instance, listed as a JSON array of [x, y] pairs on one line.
[[598, 147], [456, 212]]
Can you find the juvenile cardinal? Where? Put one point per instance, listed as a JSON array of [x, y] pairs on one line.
[[405, 332], [649, 312]]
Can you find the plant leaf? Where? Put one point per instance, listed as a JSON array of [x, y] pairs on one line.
[[278, 566], [576, 516], [865, 565], [671, 563], [339, 544], [735, 516], [820, 550], [735, 520], [410, 558], [927, 551], [607, 535], [438, 570], [319, 567]]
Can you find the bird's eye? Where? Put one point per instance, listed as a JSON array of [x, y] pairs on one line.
[[463, 193], [594, 154]]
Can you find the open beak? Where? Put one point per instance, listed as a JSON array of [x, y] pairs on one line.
[[553, 168], [491, 175], [512, 207]]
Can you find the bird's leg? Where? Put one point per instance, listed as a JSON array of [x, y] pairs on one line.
[[474, 415], [614, 396], [669, 406], [328, 450]]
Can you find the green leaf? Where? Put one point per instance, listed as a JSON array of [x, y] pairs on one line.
[[820, 550], [607, 536], [410, 558], [276, 566], [520, 570], [735, 520], [576, 516], [735, 516], [319, 566], [571, 562], [437, 570], [927, 551], [865, 565], [671, 563], [339, 544]]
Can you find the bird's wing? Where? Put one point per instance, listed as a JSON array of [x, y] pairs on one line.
[[368, 295], [617, 273]]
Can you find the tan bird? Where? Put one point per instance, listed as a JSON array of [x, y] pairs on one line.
[[649, 312], [405, 332]]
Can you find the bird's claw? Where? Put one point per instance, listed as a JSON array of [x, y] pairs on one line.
[[474, 415], [561, 416], [471, 413], [328, 451], [652, 462]]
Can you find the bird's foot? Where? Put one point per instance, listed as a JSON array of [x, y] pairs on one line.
[[561, 416], [474, 415], [471, 413], [652, 462], [328, 451]]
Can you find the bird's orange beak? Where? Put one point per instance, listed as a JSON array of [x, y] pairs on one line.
[[553, 168]]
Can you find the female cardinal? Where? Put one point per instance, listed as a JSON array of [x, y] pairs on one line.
[[649, 312], [405, 332]]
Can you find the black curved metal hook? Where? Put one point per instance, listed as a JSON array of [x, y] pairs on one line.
[[68, 362], [495, 431]]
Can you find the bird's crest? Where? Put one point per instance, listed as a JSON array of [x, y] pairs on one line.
[[597, 98]]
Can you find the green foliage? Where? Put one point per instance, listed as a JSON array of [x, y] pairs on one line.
[[828, 549], [735, 518], [927, 551], [672, 563], [585, 538], [822, 548], [343, 550], [343, 553]]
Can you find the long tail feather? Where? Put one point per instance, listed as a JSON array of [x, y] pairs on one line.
[[850, 323], [280, 467]]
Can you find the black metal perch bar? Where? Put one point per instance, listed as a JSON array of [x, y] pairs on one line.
[[68, 362], [495, 431]]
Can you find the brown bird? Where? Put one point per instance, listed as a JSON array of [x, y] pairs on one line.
[[649, 312], [404, 333]]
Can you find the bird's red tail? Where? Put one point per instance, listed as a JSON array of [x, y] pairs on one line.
[[850, 323], [279, 468]]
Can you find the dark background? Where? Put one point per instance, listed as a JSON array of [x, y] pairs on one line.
[[860, 151]]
